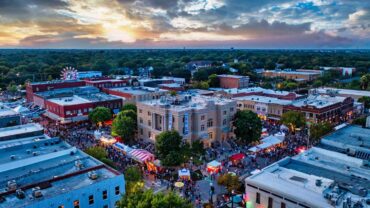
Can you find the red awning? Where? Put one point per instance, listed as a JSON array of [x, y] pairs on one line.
[[238, 156]]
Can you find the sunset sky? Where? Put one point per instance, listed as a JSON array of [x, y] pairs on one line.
[[185, 23]]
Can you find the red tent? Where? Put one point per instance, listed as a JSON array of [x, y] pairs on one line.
[[237, 157]]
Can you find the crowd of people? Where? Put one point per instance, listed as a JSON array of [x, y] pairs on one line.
[[81, 135]]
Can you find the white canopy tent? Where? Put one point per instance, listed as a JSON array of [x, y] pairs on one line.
[[184, 173]]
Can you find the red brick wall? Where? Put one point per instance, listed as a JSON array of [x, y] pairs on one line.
[[229, 82]]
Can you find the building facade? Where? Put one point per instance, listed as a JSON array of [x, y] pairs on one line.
[[304, 76], [265, 107], [323, 108], [9, 117], [37, 171], [136, 94], [233, 81], [195, 118], [323, 176]]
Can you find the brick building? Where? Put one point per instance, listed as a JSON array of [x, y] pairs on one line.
[[32, 88], [195, 117], [233, 81], [135, 94], [301, 76]]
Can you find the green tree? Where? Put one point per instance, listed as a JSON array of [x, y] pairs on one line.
[[125, 127], [129, 106], [12, 88], [293, 120], [318, 130], [197, 147], [364, 80], [168, 148], [173, 93], [213, 80], [231, 182], [128, 113], [201, 85], [365, 100], [317, 83], [100, 114], [200, 75], [248, 126], [134, 180], [97, 152], [147, 199]]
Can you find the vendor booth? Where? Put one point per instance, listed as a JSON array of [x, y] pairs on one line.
[[123, 148], [154, 166], [237, 158], [184, 174], [214, 166], [141, 155]]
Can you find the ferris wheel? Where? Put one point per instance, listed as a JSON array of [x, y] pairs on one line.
[[69, 73]]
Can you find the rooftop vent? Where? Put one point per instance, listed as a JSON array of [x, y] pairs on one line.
[[36, 192], [12, 157], [28, 151], [20, 194], [318, 183], [35, 153], [78, 164], [12, 185], [92, 175]]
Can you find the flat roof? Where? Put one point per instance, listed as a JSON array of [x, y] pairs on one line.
[[137, 90], [20, 129], [70, 91], [72, 100], [344, 91], [55, 81], [170, 85], [263, 99], [295, 177], [294, 72], [251, 90], [54, 166], [232, 76], [192, 102], [5, 112], [318, 101], [349, 136]]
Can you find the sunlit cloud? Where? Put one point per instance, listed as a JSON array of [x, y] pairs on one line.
[[172, 23]]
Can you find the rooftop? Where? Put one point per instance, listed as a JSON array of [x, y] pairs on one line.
[[186, 102], [343, 91], [292, 72], [137, 90], [251, 90], [318, 101], [5, 111], [316, 174], [264, 99], [53, 165], [350, 136], [68, 91], [20, 129], [55, 82], [232, 76], [72, 100]]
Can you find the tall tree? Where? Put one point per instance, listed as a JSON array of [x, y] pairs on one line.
[[318, 130], [129, 106], [124, 127], [168, 148], [293, 120], [248, 126], [147, 199], [213, 81], [100, 114], [134, 180], [97, 152]]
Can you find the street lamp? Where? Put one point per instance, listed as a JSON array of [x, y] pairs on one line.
[[232, 198]]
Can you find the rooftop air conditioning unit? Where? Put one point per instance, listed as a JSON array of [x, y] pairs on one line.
[[12, 185], [78, 164], [36, 192], [20, 194], [35, 153], [12, 157], [92, 175]]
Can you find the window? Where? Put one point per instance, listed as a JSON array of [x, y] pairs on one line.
[[258, 198], [282, 205], [202, 117], [76, 204], [224, 122], [149, 134], [149, 113], [91, 199], [141, 120], [61, 206], [105, 206], [270, 203], [105, 194], [116, 190], [210, 135], [225, 112], [202, 127], [140, 110], [231, 109], [149, 123], [210, 123], [141, 131]]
